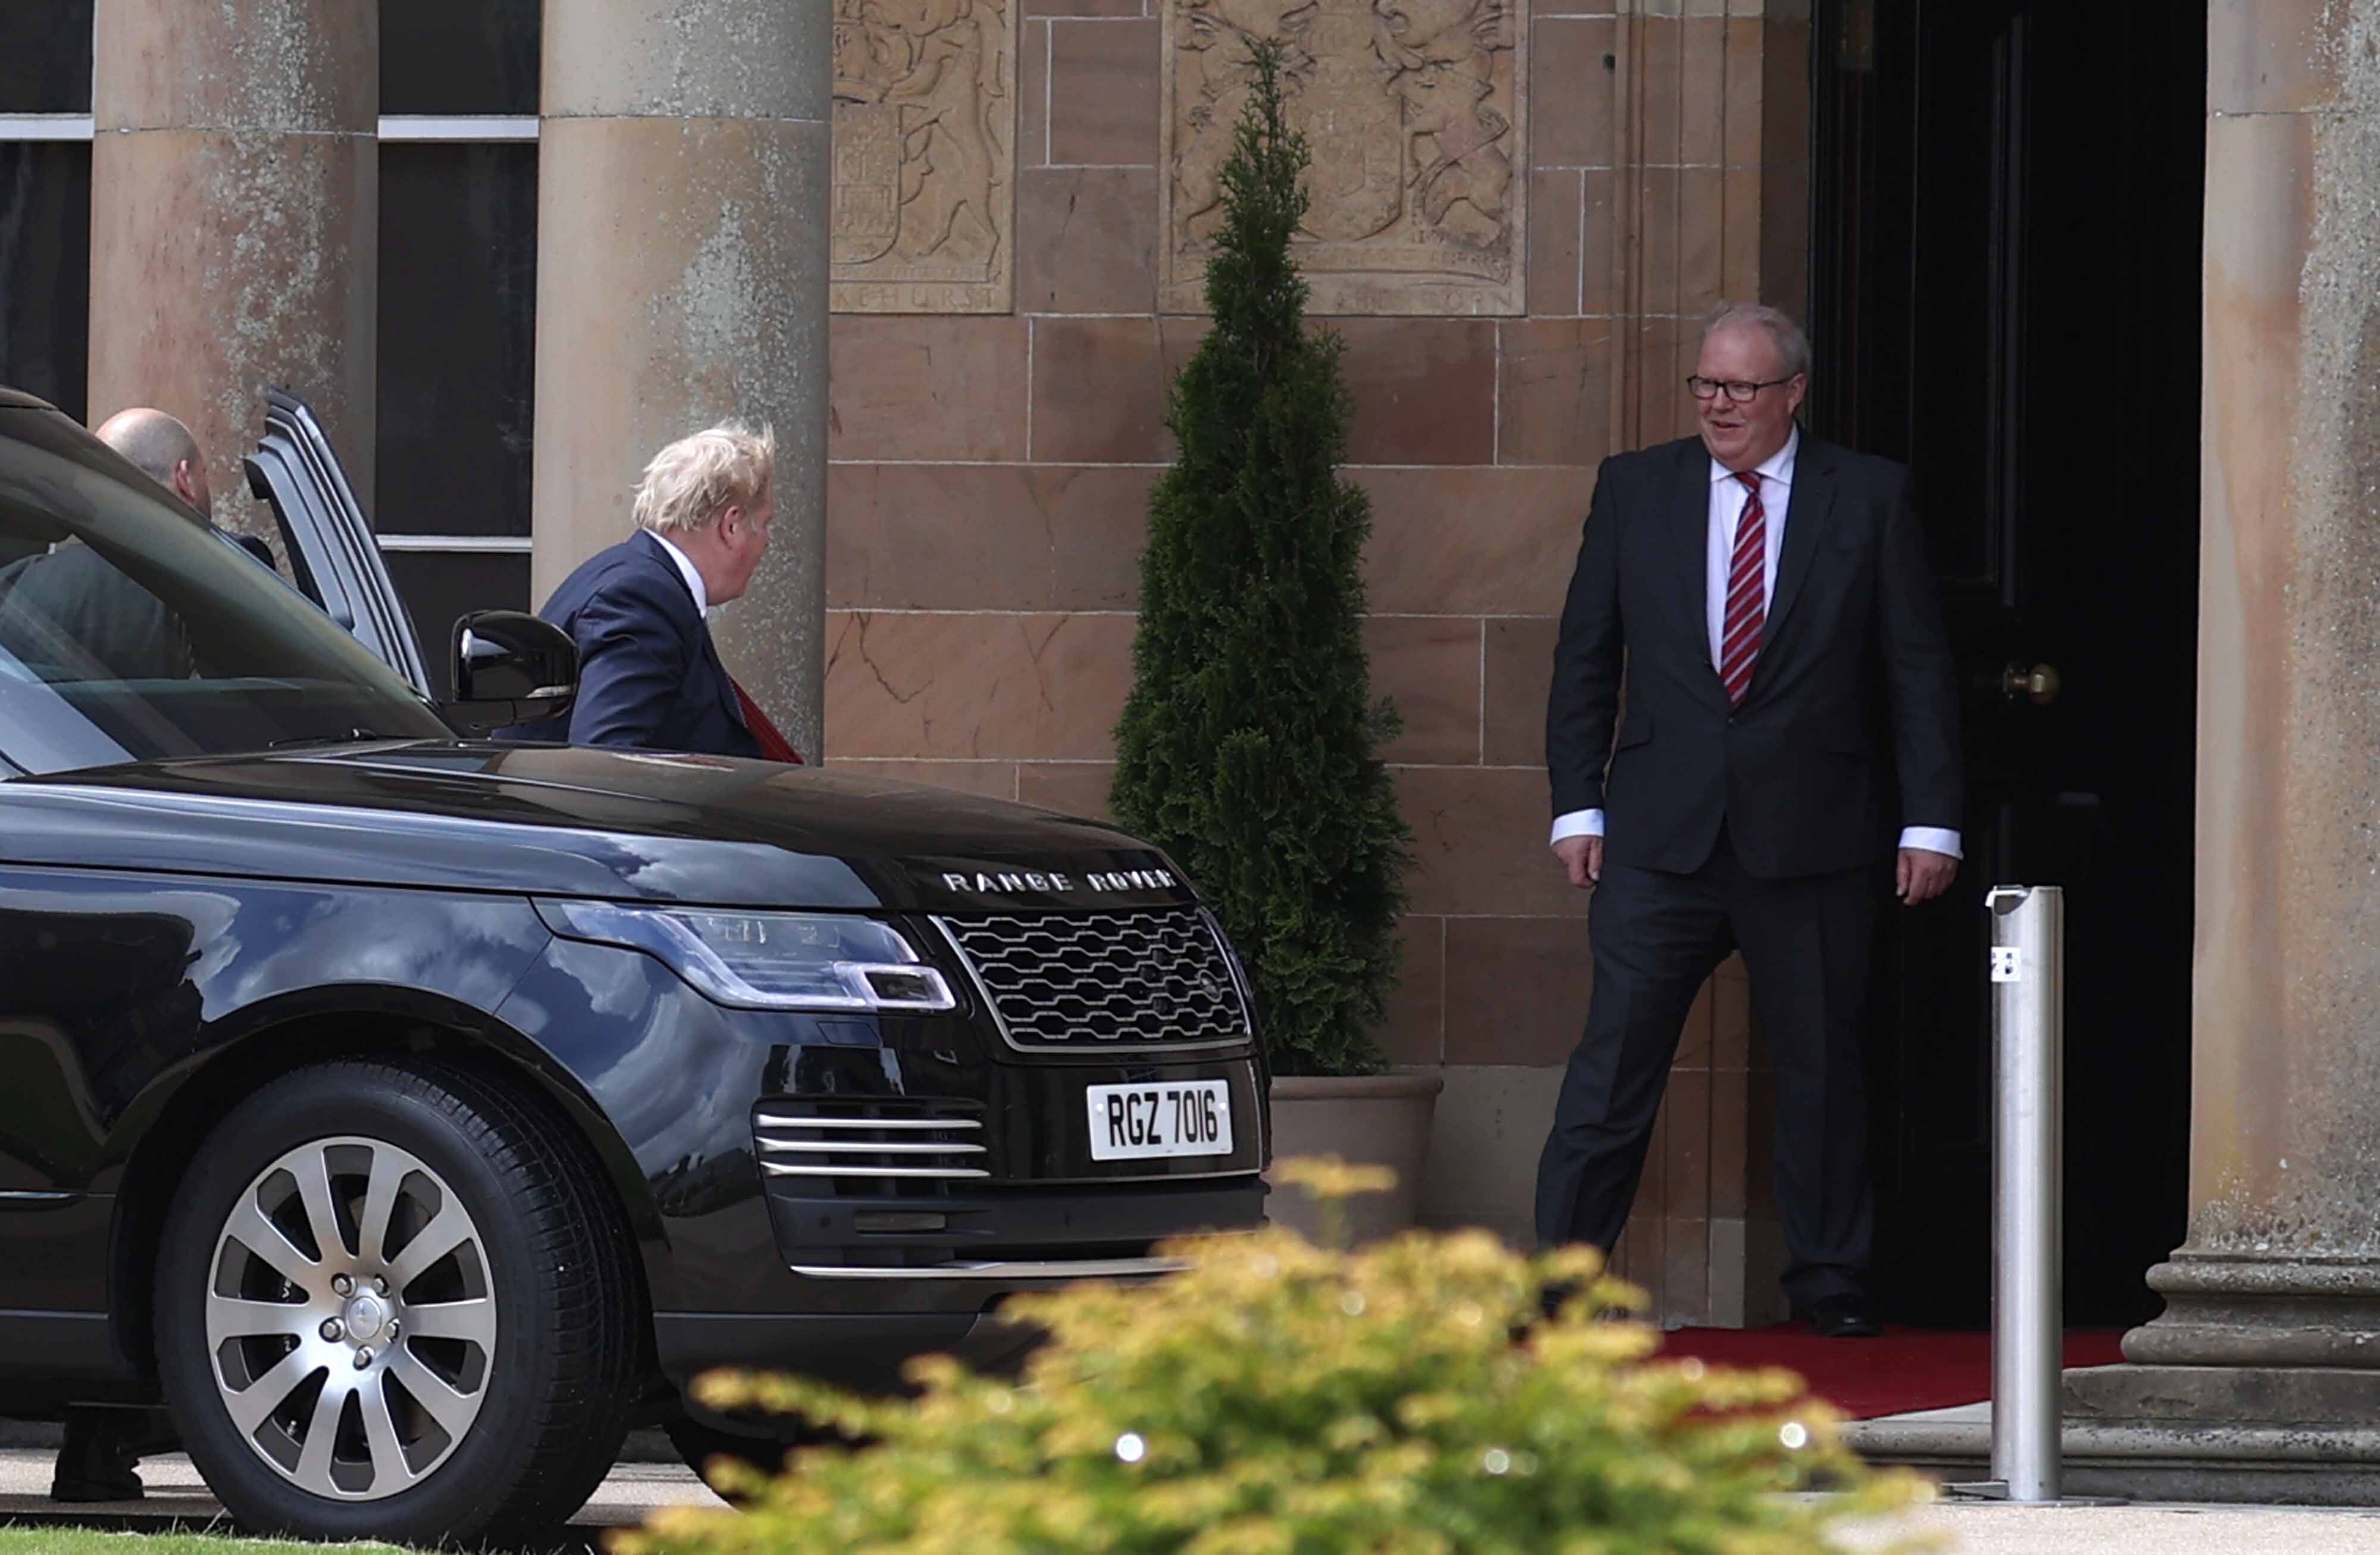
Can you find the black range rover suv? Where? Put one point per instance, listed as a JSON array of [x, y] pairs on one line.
[[410, 1113]]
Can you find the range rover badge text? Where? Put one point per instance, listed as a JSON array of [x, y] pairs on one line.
[[1122, 880]]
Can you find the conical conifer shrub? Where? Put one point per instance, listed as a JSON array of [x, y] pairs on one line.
[[1249, 745]]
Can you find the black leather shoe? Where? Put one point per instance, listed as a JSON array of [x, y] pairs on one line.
[[99, 1460], [94, 1464], [1843, 1317]]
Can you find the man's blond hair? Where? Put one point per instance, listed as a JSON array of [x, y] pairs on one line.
[[695, 480]]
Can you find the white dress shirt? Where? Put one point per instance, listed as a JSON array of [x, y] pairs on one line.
[[693, 575], [1728, 500]]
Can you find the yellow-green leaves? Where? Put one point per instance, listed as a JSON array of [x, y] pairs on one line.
[[1410, 1398]]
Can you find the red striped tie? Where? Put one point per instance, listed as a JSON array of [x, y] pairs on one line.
[[1746, 608]]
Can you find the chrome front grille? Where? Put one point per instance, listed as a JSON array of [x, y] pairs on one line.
[[1135, 981], [875, 1147]]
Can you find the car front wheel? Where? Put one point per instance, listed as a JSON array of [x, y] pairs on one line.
[[393, 1303]]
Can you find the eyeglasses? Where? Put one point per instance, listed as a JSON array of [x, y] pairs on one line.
[[1737, 389]]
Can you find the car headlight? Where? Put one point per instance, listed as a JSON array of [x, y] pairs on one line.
[[766, 961]]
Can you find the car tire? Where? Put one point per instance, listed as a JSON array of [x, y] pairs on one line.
[[698, 1444], [455, 1367], [763, 1447]]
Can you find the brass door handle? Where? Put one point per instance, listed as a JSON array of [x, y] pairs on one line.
[[2040, 683]]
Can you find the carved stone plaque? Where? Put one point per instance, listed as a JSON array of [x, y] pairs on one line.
[[1412, 111], [924, 157]]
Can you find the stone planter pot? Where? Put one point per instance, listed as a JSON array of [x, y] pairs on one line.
[[1367, 1119]]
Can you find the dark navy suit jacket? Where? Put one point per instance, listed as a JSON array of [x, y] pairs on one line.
[[1854, 695], [648, 677]]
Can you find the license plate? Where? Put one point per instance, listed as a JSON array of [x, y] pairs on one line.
[[1175, 1118]]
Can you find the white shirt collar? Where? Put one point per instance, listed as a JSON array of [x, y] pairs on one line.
[[1777, 466], [692, 574]]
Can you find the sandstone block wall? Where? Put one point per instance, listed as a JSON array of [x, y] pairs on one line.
[[988, 472]]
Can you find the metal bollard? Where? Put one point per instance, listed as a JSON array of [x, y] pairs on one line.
[[2028, 1177]]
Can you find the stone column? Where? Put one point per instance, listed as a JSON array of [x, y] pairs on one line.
[[682, 229], [2272, 1324], [235, 222]]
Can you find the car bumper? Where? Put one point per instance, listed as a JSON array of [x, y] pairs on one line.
[[860, 1311], [862, 1352], [761, 1251]]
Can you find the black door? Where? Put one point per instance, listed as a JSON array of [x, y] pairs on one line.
[[2005, 295]]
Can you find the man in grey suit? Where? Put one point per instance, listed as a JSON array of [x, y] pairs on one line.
[[1789, 743]]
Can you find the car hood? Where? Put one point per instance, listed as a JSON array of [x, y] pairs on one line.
[[619, 825]]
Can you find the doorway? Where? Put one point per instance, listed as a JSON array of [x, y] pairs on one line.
[[2004, 294]]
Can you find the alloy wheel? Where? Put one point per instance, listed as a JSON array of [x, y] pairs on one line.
[[351, 1318]]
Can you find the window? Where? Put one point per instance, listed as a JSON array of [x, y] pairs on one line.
[[457, 338], [458, 57], [46, 269], [457, 307], [45, 56]]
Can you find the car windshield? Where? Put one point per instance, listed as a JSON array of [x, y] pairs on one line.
[[128, 633]]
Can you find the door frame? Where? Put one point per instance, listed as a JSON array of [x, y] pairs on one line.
[[1870, 299]]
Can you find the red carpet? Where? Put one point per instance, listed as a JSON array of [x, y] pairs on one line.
[[1906, 1369]]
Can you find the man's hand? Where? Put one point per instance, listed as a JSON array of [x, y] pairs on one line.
[[1583, 859], [1924, 875]]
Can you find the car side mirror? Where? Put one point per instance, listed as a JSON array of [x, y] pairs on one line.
[[511, 668]]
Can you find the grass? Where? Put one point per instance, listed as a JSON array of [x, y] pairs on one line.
[[90, 1541]]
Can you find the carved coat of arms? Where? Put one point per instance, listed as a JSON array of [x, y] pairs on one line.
[[925, 108], [867, 181], [1410, 111], [1352, 128]]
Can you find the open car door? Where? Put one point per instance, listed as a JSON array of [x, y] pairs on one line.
[[334, 553]]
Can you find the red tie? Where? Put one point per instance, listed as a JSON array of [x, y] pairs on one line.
[[773, 745], [1746, 610]]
